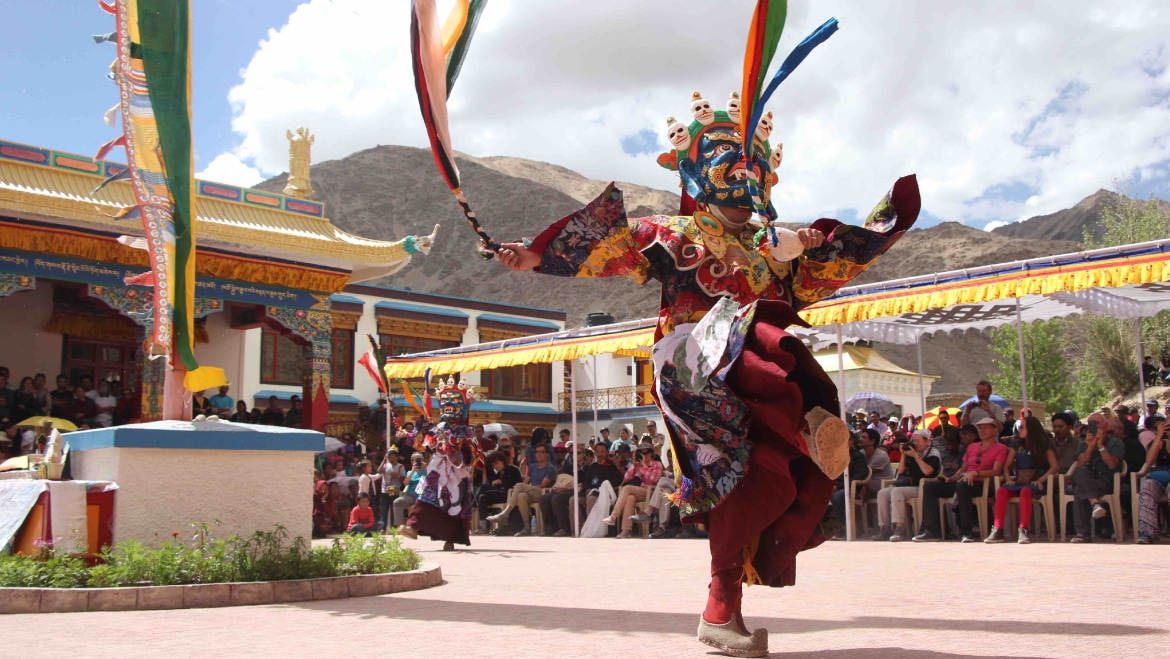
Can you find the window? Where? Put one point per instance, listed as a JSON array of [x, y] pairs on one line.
[[526, 382], [102, 360], [282, 360], [342, 359], [399, 344]]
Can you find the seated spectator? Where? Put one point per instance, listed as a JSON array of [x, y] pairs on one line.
[[361, 518], [7, 403], [559, 453], [25, 403], [105, 404], [404, 501], [241, 415], [876, 423], [982, 460], [1099, 456], [540, 476], [341, 504], [324, 512], [556, 503], [954, 449], [295, 415], [879, 469], [200, 405], [621, 454], [640, 477], [221, 404], [1155, 485], [502, 476], [1164, 369], [944, 430], [127, 410], [658, 503], [919, 460], [1063, 444], [273, 415], [1008, 432], [81, 408], [1034, 462], [63, 389], [603, 469]]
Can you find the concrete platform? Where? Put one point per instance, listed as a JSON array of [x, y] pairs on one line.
[[551, 597]]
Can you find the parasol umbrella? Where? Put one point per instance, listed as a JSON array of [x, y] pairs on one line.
[[998, 400], [62, 425], [499, 430], [930, 419], [872, 402]]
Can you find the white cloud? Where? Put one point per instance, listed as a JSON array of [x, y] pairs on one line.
[[991, 226], [228, 168], [1057, 98]]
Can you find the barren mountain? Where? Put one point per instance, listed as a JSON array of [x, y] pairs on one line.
[[1068, 224], [390, 191]]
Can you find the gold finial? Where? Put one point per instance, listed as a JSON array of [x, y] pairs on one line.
[[298, 163]]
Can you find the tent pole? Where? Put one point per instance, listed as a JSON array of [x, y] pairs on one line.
[[573, 433], [1020, 343], [844, 415], [596, 430], [1141, 358], [921, 378]]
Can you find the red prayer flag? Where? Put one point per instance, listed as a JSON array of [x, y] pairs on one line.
[[365, 361]]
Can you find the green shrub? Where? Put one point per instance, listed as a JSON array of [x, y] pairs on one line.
[[265, 556]]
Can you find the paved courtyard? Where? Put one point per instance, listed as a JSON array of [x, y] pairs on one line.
[[546, 597]]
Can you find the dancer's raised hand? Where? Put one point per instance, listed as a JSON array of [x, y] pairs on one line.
[[515, 256]]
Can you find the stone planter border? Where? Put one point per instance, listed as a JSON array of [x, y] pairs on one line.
[[197, 596]]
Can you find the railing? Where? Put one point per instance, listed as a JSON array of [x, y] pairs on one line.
[[607, 399]]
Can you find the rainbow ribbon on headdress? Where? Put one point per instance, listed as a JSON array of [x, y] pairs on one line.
[[437, 55], [763, 37]]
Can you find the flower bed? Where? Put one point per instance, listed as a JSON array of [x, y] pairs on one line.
[[265, 556]]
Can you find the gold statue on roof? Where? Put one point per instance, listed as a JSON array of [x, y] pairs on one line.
[[298, 163]]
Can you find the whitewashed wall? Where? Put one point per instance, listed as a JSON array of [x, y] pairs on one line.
[[24, 347]]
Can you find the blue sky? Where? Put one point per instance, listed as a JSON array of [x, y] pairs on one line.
[[54, 75], [1004, 111]]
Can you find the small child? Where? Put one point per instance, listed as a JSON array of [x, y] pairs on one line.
[[361, 518]]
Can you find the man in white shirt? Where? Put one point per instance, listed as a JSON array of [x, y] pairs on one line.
[[876, 423], [105, 403], [1151, 410]]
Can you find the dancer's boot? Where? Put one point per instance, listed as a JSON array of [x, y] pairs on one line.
[[827, 438], [721, 626]]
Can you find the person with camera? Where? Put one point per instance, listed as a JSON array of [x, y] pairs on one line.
[[1099, 455], [919, 460], [640, 477], [984, 459], [982, 408]]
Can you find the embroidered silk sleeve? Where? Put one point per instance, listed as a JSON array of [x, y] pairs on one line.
[[596, 241], [849, 250]]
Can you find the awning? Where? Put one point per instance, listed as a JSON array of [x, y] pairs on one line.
[[1131, 281], [538, 349]]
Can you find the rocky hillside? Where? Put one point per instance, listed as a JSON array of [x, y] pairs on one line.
[[1068, 224], [390, 191]]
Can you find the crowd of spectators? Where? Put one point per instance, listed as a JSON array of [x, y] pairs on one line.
[[959, 462], [83, 402]]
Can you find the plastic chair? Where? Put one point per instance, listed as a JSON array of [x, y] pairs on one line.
[[1113, 501], [1135, 480], [1047, 512], [862, 506], [980, 502]]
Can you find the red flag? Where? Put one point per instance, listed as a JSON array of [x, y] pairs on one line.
[[427, 393], [365, 361]]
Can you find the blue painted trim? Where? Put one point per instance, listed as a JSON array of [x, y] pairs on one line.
[[348, 299], [343, 398], [265, 394], [167, 435], [527, 322], [416, 308]]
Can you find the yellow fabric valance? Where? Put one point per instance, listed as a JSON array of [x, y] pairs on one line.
[[1076, 274], [534, 350]]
